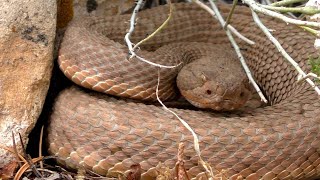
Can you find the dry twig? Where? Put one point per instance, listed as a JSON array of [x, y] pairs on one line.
[[264, 9], [130, 44], [229, 27], [15, 149], [29, 160], [180, 169], [303, 10], [26, 166], [234, 4], [40, 146], [186, 125], [286, 2], [237, 49], [157, 30], [13, 152], [302, 74], [258, 8]]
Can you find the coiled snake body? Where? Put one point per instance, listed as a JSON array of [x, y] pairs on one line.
[[104, 134]]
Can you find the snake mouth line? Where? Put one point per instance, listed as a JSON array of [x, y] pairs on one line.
[[217, 102]]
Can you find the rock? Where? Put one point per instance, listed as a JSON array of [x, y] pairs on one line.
[[27, 31]]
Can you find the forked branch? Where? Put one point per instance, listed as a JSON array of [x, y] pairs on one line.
[[132, 48], [255, 7], [302, 74]]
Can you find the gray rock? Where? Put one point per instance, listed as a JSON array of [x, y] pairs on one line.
[[27, 31]]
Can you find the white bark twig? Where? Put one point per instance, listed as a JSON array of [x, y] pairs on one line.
[[132, 24], [231, 28], [152, 63], [287, 2], [159, 29], [186, 125], [257, 8], [237, 49], [302, 75], [307, 10], [129, 43], [309, 75]]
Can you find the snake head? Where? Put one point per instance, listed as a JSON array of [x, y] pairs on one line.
[[211, 84]]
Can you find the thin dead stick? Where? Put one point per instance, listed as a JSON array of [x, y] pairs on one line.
[[286, 2], [129, 43], [310, 30], [29, 160], [13, 152], [15, 149], [155, 64], [302, 75], [132, 24], [181, 170], [308, 10], [231, 28], [40, 146], [186, 125], [309, 75], [54, 175], [234, 4], [268, 2], [26, 166], [237, 49], [257, 8], [159, 29]]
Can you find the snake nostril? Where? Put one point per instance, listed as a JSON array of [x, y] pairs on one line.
[[241, 94], [209, 92]]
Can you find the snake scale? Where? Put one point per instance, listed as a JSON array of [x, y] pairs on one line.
[[106, 134]]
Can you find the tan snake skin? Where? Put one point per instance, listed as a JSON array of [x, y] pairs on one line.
[[103, 134]]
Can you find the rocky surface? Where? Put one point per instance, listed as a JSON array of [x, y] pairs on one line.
[[27, 31]]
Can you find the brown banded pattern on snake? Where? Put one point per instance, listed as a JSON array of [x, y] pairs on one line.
[[103, 134]]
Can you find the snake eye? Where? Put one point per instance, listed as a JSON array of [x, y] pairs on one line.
[[241, 94], [208, 92]]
